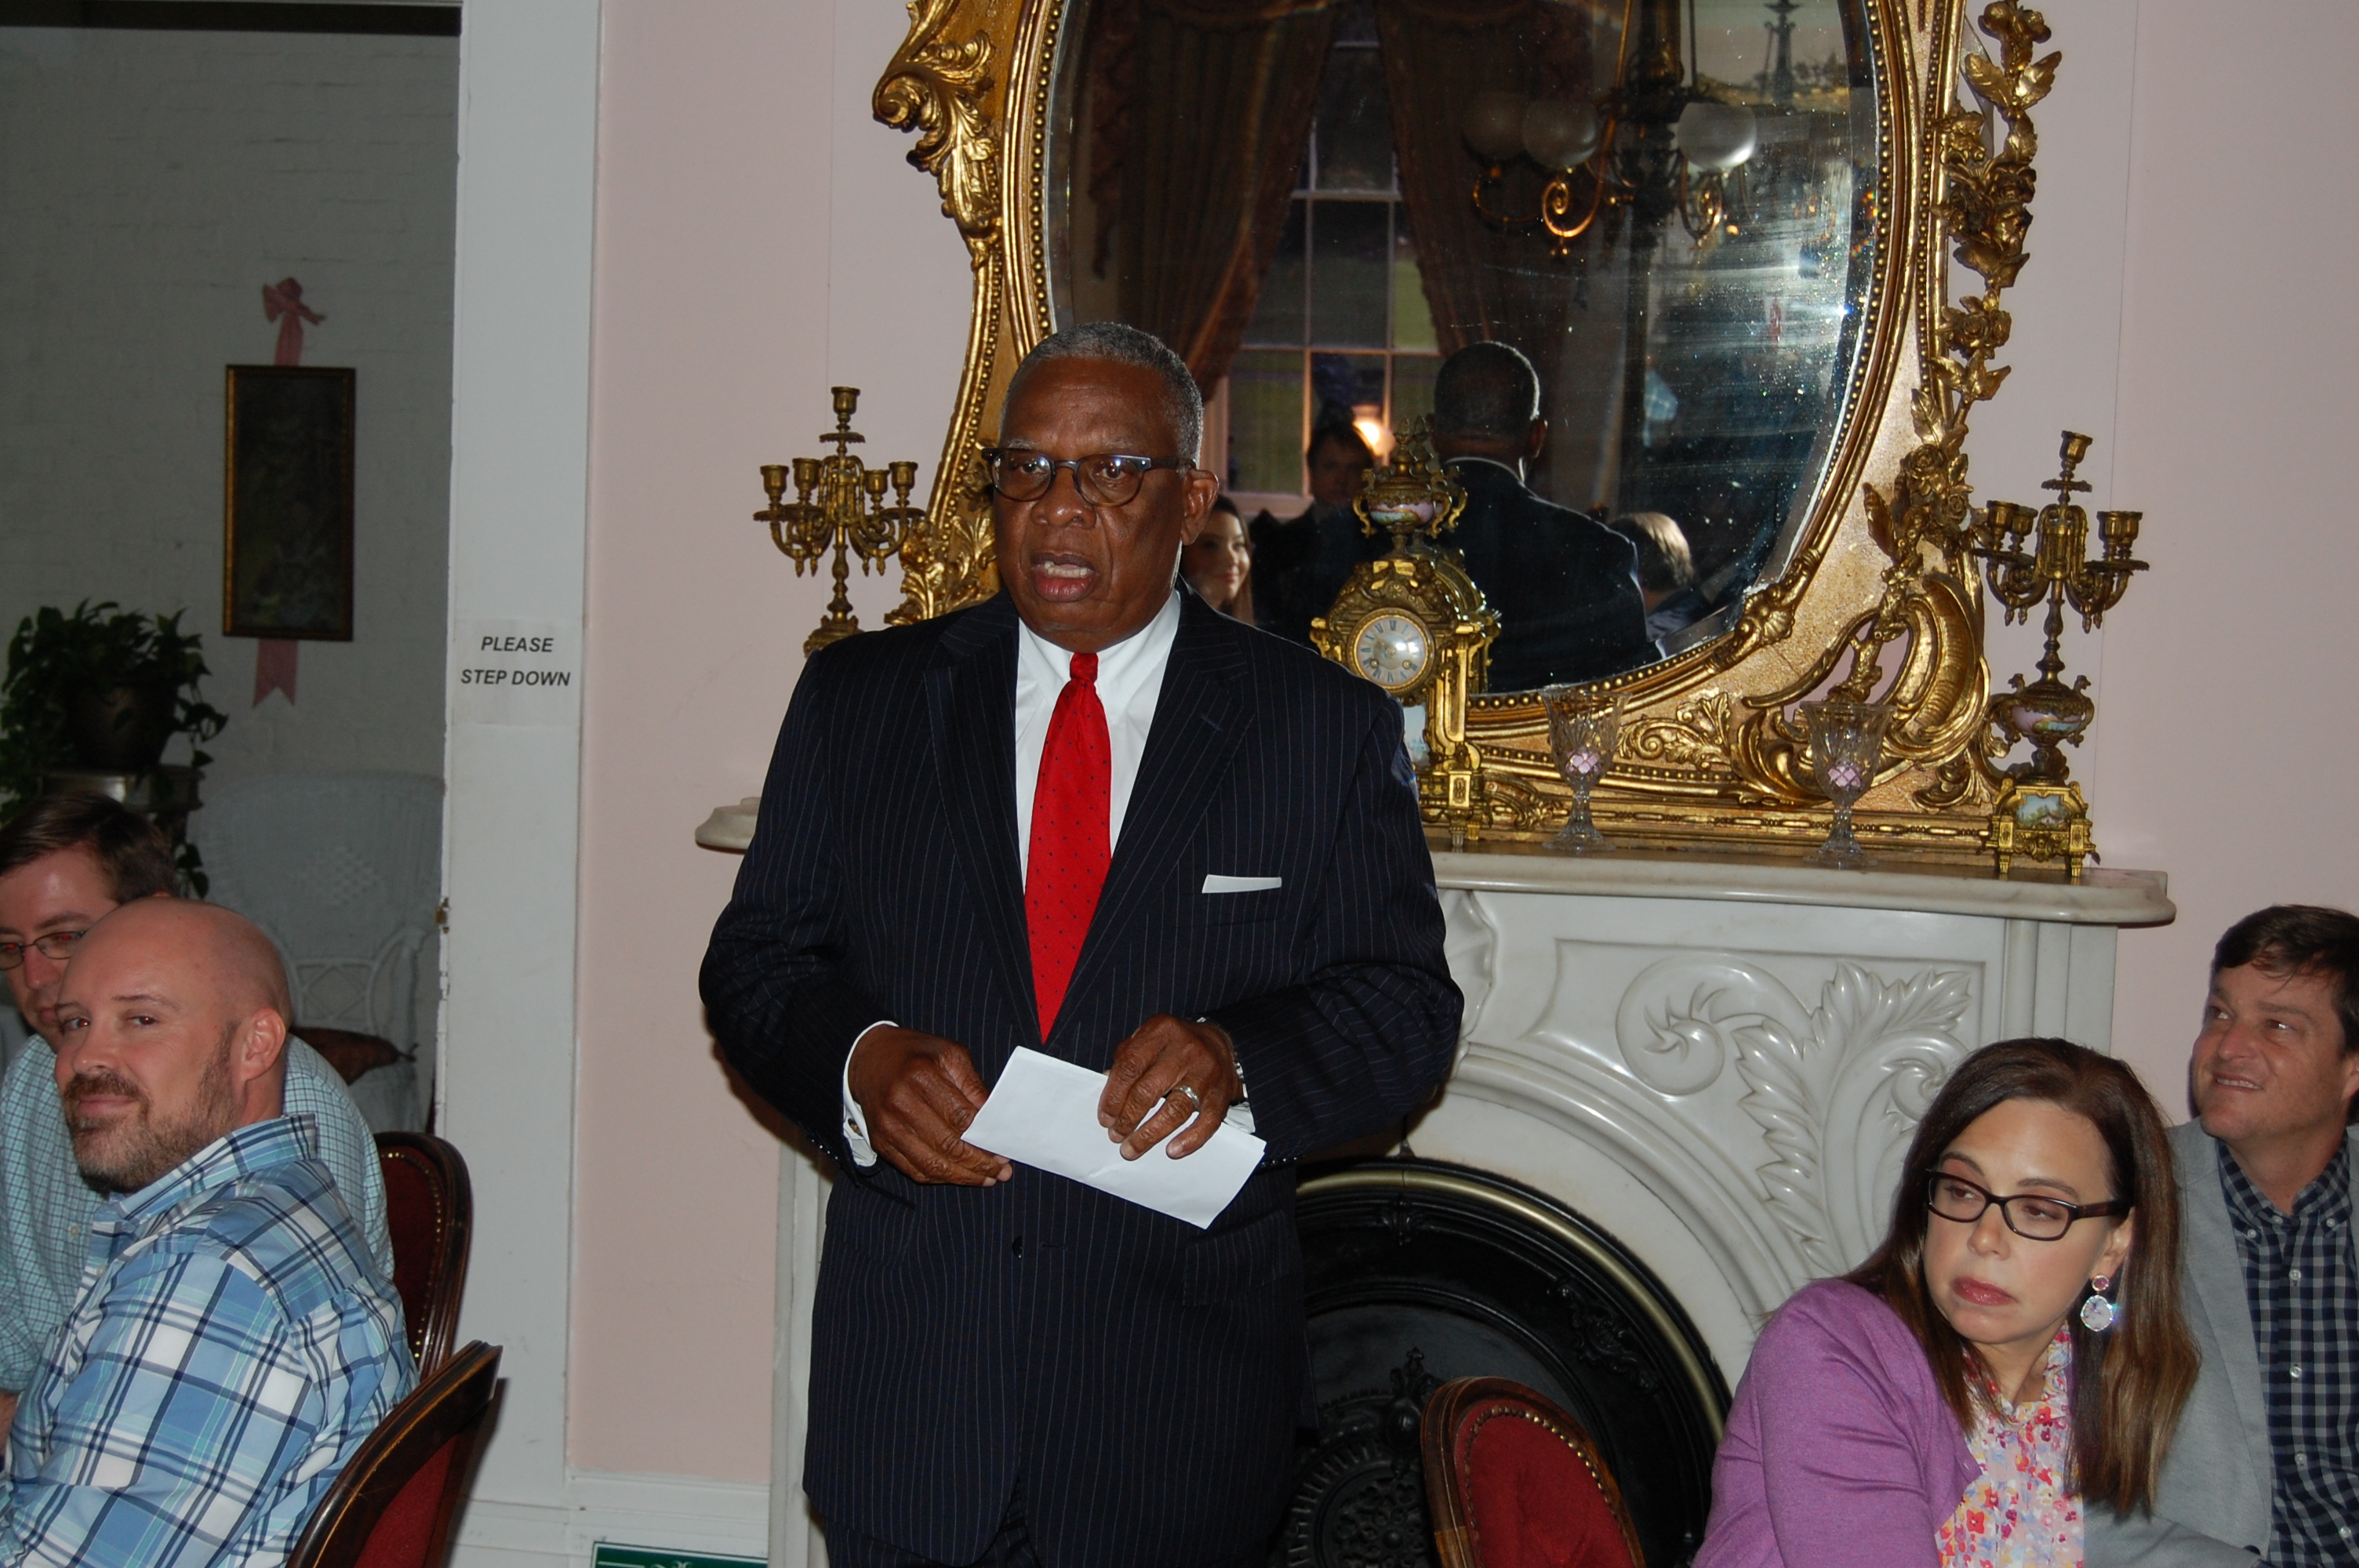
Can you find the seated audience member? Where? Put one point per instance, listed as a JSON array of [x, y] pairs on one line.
[[1667, 574], [1302, 563], [65, 862], [2012, 1353], [1565, 587], [1219, 563], [234, 1342], [2267, 1459]]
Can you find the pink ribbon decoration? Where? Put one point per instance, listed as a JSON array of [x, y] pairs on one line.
[[274, 667], [275, 657], [283, 302]]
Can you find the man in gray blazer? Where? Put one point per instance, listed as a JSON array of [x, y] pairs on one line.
[[2266, 1456]]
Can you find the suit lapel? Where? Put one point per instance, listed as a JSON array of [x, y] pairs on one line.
[[1201, 716], [2216, 1271], [971, 710]]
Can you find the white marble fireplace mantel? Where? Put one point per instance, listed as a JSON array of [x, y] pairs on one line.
[[1721, 1060], [1718, 1060]]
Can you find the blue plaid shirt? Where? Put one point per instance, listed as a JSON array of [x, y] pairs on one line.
[[233, 1345], [2302, 1284], [46, 1210]]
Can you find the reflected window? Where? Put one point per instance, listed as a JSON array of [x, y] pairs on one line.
[[1340, 331]]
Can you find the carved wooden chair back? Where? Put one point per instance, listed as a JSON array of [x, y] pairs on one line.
[[1513, 1482], [396, 1503], [429, 1207]]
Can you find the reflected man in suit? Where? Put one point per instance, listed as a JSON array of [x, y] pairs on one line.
[[1019, 824], [1302, 563], [1565, 587], [2266, 1456]]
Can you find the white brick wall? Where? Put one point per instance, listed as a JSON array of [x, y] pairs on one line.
[[150, 183]]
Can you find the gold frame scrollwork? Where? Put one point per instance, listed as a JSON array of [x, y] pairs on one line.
[[1879, 588]]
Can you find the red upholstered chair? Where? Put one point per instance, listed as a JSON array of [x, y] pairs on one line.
[[396, 1503], [1513, 1482], [430, 1209]]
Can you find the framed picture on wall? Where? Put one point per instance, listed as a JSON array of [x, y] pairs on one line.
[[287, 569]]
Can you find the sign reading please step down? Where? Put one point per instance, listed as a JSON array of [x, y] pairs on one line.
[[517, 672]]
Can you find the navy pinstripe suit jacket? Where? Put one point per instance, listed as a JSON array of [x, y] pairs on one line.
[[1142, 1378]]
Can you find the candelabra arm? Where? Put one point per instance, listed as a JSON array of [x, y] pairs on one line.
[[1484, 183]]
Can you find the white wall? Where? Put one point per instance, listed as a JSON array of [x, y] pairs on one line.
[[150, 184], [520, 387]]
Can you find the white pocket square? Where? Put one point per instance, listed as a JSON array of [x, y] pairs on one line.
[[1214, 882]]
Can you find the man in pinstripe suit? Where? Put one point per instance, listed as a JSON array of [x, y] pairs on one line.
[[1092, 817]]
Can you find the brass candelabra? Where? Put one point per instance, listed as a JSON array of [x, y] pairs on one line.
[[849, 517], [2041, 815]]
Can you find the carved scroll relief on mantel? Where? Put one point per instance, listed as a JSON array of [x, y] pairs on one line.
[[1761, 1084]]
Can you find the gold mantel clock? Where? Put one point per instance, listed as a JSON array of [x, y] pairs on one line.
[[1414, 622]]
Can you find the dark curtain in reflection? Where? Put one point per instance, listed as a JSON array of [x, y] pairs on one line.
[[1200, 110], [1482, 285]]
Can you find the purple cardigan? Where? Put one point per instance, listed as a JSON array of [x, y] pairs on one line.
[[1839, 1451]]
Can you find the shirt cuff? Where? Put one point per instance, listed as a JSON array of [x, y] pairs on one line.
[[1240, 1114], [856, 1136]]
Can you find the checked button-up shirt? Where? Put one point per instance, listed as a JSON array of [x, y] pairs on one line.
[[2302, 1284], [234, 1344], [46, 1211]]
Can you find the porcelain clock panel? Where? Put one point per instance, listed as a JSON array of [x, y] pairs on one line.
[[1392, 650]]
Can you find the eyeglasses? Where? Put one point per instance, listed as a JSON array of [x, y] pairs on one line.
[[57, 946], [2029, 1214], [1107, 479]]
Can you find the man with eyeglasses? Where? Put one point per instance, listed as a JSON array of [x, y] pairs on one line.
[[2267, 1457], [1096, 818], [66, 861]]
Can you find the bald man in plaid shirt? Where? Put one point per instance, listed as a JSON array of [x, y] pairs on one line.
[[234, 1342]]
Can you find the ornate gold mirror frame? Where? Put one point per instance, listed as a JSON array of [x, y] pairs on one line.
[[1882, 597]]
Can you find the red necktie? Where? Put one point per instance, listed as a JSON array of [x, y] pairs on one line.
[[1072, 804]]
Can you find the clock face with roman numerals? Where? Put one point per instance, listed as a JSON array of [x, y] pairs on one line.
[[1392, 650]]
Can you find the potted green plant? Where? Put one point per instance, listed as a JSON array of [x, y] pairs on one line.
[[104, 688]]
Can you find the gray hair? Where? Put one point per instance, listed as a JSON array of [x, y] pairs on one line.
[[1486, 389], [1119, 343]]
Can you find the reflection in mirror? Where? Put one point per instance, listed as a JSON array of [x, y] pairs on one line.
[[1668, 206]]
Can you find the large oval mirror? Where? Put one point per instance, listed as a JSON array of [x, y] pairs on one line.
[[1669, 207]]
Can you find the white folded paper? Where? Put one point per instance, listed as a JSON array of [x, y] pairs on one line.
[[1044, 1112]]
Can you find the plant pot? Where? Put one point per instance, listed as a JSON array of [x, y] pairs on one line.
[[123, 729]]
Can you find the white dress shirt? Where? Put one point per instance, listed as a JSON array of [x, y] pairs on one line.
[[1130, 680]]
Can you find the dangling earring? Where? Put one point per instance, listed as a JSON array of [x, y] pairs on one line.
[[2097, 1312]]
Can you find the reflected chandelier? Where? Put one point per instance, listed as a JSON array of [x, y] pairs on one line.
[[1652, 141]]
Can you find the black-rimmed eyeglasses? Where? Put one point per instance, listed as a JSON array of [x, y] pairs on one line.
[[56, 947], [1106, 479], [2032, 1215]]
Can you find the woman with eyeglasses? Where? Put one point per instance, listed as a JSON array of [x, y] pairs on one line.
[[2013, 1347]]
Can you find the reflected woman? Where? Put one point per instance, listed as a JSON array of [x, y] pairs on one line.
[[1218, 565], [2013, 1347]]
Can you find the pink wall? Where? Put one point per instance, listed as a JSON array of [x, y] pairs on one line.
[[2224, 750], [710, 335], [759, 238]]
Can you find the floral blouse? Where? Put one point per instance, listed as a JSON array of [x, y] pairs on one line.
[[2019, 1512]]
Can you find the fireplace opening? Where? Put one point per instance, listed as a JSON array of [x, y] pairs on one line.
[[1418, 1272]]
